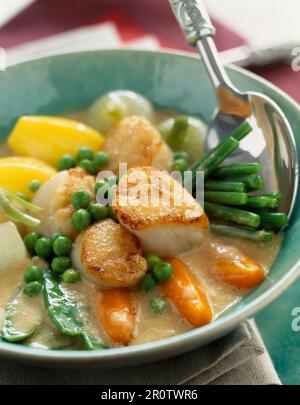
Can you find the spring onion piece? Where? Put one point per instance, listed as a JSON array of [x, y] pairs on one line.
[[231, 186], [240, 233], [242, 131], [237, 215], [261, 201], [224, 197], [185, 135], [26, 204], [178, 131], [238, 169], [13, 212], [273, 220], [116, 105]]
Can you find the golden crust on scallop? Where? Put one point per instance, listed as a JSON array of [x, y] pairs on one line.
[[136, 142], [109, 255], [159, 211], [146, 196]]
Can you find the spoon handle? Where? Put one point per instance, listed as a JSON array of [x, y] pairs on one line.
[[193, 19], [198, 30]]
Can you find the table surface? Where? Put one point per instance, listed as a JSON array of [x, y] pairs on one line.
[[134, 19]]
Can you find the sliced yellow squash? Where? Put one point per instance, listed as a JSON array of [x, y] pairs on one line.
[[17, 172], [48, 138]]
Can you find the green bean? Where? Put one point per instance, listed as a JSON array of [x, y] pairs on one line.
[[240, 233], [276, 195], [273, 220], [224, 197], [237, 215], [252, 182], [238, 169], [210, 162], [219, 185], [215, 157], [242, 131], [261, 201]]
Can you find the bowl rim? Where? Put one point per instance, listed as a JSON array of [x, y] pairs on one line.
[[164, 347]]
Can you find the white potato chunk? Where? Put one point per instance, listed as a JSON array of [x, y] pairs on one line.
[[12, 248]]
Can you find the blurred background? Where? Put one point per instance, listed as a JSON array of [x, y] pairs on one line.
[[262, 35], [260, 24]]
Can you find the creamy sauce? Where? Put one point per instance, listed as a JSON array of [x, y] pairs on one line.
[[149, 326]]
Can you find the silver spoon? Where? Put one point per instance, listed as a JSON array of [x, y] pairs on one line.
[[272, 142]]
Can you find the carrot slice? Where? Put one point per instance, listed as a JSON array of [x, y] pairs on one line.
[[116, 312], [187, 295], [239, 270]]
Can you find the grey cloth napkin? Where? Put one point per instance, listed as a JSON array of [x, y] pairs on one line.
[[238, 358]]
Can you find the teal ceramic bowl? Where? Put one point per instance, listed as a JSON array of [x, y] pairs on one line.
[[69, 82]]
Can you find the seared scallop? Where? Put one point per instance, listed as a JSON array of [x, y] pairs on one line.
[[136, 142], [159, 211], [55, 199], [108, 255]]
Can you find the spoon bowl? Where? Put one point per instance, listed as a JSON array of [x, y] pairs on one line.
[[271, 142]]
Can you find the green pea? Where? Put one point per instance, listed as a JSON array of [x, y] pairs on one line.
[[33, 273], [100, 159], [43, 247], [23, 196], [180, 165], [99, 185], [163, 271], [30, 240], [34, 185], [84, 153], [33, 288], [148, 282], [152, 259], [98, 211], [111, 213], [88, 166], [181, 155], [60, 264], [56, 235], [80, 219], [62, 246], [158, 305], [71, 276], [81, 199], [66, 162]]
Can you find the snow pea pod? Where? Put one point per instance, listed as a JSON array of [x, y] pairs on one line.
[[64, 312], [91, 343], [11, 332]]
